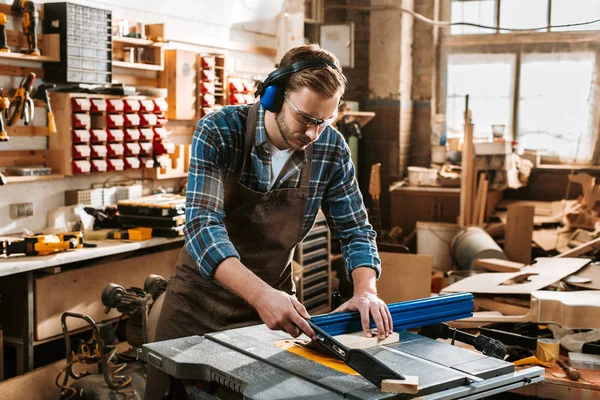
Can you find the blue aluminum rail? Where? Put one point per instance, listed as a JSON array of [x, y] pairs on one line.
[[406, 314]]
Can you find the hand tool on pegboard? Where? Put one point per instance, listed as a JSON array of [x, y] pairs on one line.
[[3, 46], [42, 94], [21, 104], [29, 17], [4, 105]]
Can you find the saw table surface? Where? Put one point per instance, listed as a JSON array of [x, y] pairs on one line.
[[247, 361]]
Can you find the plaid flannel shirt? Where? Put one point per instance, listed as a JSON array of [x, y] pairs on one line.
[[217, 148]]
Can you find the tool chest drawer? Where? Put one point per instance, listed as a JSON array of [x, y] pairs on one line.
[[313, 272]]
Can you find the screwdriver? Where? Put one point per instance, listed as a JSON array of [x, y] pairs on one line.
[[571, 372]]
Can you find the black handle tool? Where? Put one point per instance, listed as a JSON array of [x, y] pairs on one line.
[[359, 360]]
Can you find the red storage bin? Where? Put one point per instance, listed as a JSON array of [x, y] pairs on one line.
[[238, 98], [81, 151], [147, 106], [99, 150], [80, 104], [146, 134], [98, 105], [80, 121], [131, 119], [161, 120], [81, 166], [131, 105], [145, 148], [98, 135], [160, 106], [115, 149], [248, 87], [161, 148], [146, 162], [115, 135], [207, 100], [115, 105], [147, 119], [81, 136], [132, 134], [208, 75], [207, 87], [114, 120], [131, 162], [115, 164], [236, 86], [132, 149], [160, 133], [207, 62], [99, 165]]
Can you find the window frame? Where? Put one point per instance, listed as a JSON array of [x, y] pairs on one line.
[[517, 43]]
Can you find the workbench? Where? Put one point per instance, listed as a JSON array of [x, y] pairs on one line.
[[250, 362], [36, 290]]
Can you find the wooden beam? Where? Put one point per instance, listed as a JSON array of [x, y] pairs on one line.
[[22, 130], [12, 158], [13, 70], [519, 233], [582, 249]]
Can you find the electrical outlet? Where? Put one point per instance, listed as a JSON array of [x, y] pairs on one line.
[[21, 210]]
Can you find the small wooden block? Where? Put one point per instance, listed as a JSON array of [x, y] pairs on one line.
[[358, 340], [408, 385]]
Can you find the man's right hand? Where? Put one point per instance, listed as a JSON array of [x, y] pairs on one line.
[[281, 311]]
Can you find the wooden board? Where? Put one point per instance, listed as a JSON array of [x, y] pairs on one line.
[[583, 249], [358, 340], [519, 231], [179, 77], [13, 158], [410, 384], [591, 271], [571, 310], [546, 239], [85, 287], [498, 265], [404, 277], [504, 308], [544, 272]]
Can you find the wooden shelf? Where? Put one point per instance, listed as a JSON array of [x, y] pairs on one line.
[[146, 67], [15, 179], [137, 42], [27, 57]]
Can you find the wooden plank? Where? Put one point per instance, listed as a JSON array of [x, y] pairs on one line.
[[408, 385], [1, 355], [478, 199], [85, 289], [467, 176], [11, 158], [30, 131], [481, 214], [13, 70], [357, 340], [581, 250], [519, 232], [543, 273], [546, 239], [16, 179], [180, 79], [498, 265], [504, 308]]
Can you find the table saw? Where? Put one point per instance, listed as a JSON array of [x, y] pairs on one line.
[[250, 362]]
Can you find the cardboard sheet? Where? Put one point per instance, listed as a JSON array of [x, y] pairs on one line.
[[544, 272]]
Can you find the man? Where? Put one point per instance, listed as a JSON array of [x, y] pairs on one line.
[[258, 175]]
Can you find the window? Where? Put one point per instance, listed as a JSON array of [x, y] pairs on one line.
[[477, 12], [486, 78], [523, 14], [555, 104]]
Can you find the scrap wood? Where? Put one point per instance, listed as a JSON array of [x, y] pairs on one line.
[[583, 249], [494, 305], [545, 272], [571, 310], [591, 191], [499, 265]]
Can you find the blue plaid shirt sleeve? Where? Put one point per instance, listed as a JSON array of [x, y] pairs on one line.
[[206, 238], [347, 218]]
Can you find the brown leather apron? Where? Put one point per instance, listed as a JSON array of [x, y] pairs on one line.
[[264, 228]]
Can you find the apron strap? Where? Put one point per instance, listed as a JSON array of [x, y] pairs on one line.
[[250, 137], [305, 177]]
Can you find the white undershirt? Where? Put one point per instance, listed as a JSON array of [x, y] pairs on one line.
[[278, 160]]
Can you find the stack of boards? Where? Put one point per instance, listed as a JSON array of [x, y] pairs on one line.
[[164, 213]]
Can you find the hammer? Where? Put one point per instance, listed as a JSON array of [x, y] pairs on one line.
[[571, 372], [42, 94]]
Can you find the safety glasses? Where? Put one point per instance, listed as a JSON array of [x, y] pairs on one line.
[[308, 120]]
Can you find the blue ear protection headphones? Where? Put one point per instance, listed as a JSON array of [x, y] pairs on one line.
[[272, 90]]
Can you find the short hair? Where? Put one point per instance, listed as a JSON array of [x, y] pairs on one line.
[[323, 80]]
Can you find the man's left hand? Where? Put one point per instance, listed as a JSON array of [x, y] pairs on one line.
[[369, 305]]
